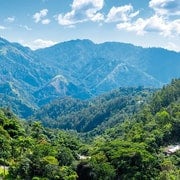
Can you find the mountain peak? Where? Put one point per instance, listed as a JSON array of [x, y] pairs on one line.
[[81, 42]]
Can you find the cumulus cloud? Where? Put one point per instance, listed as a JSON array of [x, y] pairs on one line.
[[45, 21], [154, 24], [66, 19], [157, 24], [40, 43], [163, 26], [94, 4], [164, 21], [161, 22], [82, 10], [39, 17], [121, 13], [10, 19], [137, 26], [165, 7]]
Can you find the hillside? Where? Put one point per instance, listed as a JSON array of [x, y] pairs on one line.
[[26, 82], [101, 112], [139, 148], [110, 65], [21, 73], [28, 150], [79, 69]]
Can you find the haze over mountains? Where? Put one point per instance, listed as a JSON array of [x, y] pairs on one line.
[[78, 68]]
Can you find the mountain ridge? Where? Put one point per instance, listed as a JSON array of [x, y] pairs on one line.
[[90, 69]]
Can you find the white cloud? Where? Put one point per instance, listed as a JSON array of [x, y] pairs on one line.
[[10, 19], [175, 26], [121, 14], [137, 26], [94, 5], [68, 19], [82, 10], [165, 7], [40, 15], [172, 46], [155, 24], [45, 21], [2, 27], [97, 17], [163, 26], [39, 43], [161, 22]]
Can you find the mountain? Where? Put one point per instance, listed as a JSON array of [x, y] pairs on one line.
[[103, 67], [21, 73], [59, 87], [95, 114], [79, 69], [20, 63], [145, 146], [26, 82]]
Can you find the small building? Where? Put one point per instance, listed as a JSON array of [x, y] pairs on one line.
[[171, 149]]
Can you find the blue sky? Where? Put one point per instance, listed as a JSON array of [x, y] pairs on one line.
[[42, 23]]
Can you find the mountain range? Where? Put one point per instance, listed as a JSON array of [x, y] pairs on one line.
[[80, 69]]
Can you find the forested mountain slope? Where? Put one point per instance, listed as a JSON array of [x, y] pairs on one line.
[[21, 73], [103, 111], [141, 147], [79, 69], [28, 150], [106, 66], [26, 82], [135, 149]]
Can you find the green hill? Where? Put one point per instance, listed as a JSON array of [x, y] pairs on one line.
[[101, 112], [138, 148]]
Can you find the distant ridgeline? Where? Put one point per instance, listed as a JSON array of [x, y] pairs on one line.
[[79, 69], [144, 146]]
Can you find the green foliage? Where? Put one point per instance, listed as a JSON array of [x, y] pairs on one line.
[[33, 152], [65, 156], [133, 149], [129, 160], [95, 114]]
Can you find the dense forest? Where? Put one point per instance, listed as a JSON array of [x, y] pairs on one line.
[[136, 145], [95, 114]]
